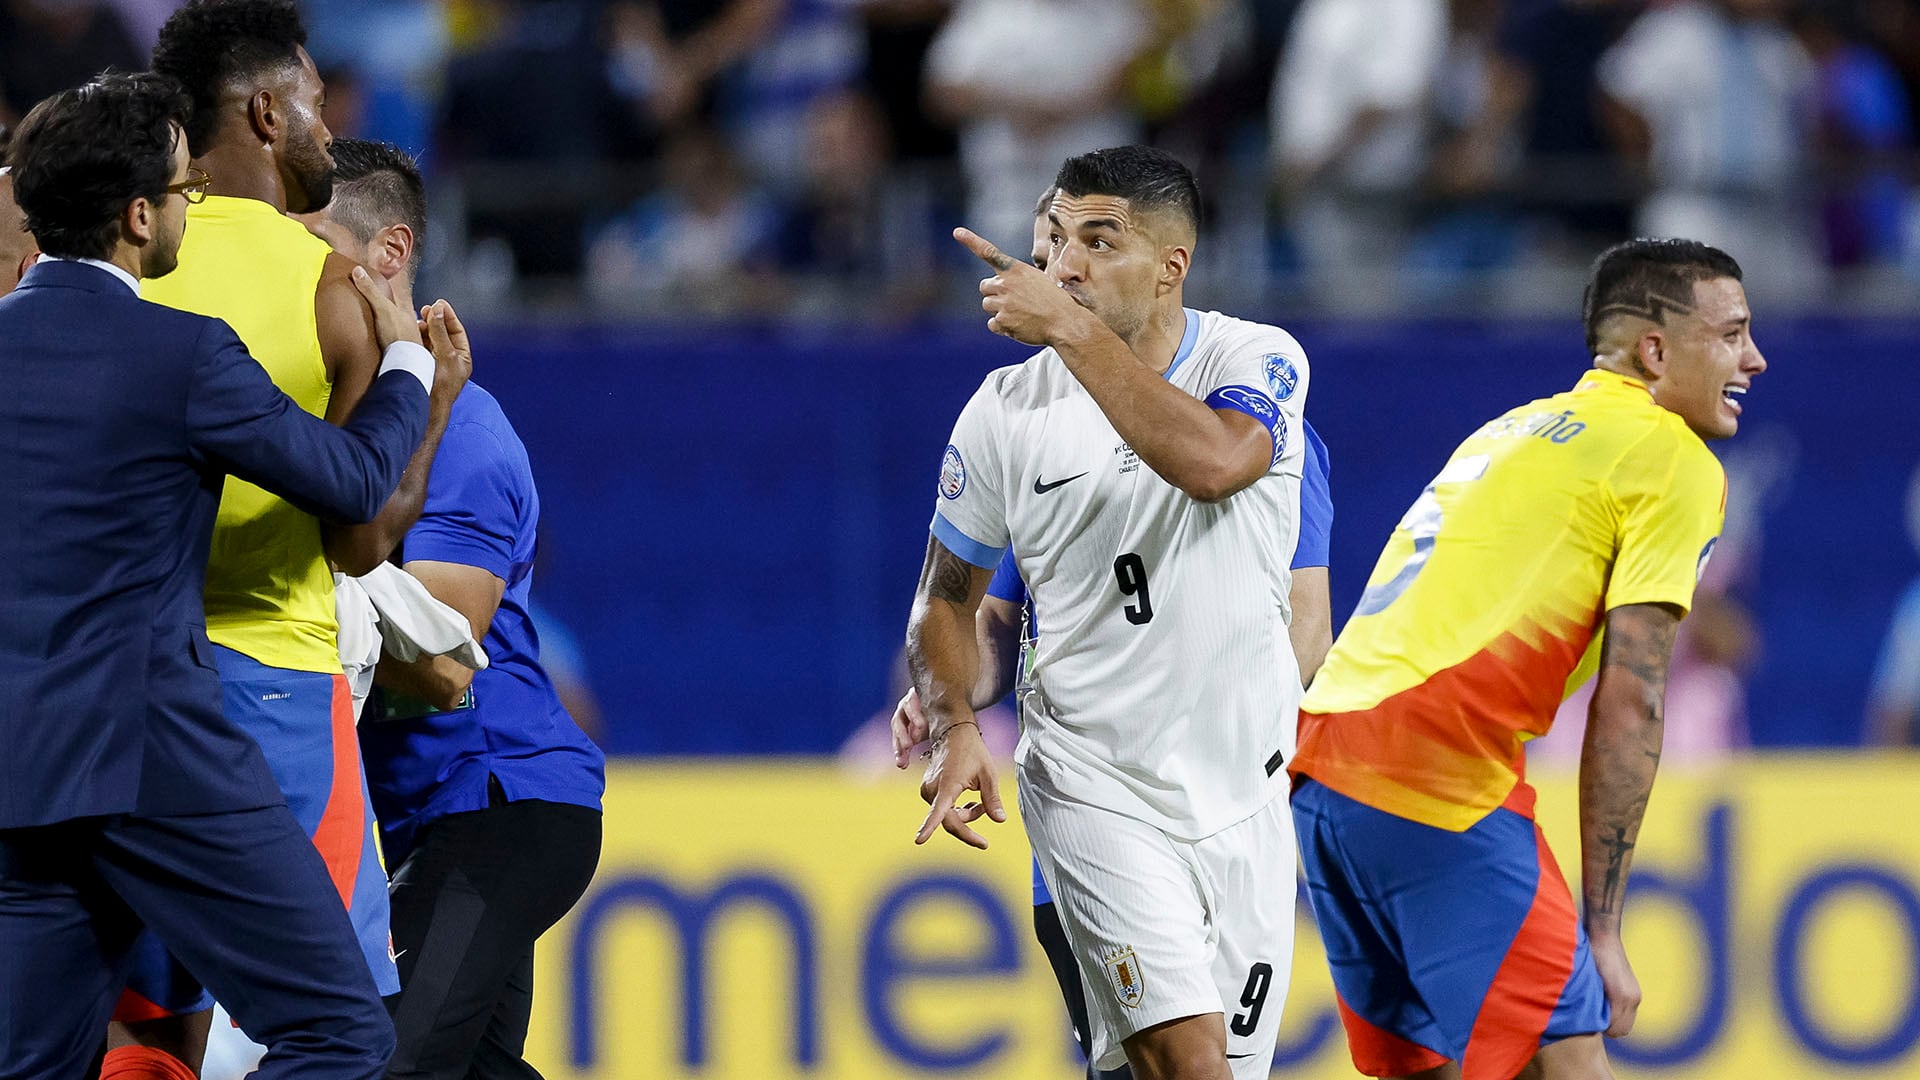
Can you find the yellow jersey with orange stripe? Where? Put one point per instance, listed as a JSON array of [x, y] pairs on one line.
[[1486, 607], [269, 589]]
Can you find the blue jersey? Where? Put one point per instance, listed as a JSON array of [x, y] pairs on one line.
[[482, 511], [1312, 549]]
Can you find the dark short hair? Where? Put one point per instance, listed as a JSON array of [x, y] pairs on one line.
[[1046, 200], [82, 155], [1145, 177], [6, 139], [1646, 278], [210, 44], [377, 184]]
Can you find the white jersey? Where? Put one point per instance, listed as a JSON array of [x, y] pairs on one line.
[[1164, 684]]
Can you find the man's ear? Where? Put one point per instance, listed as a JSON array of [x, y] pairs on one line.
[[1651, 351], [139, 221], [394, 248], [26, 264], [263, 116], [1175, 261]]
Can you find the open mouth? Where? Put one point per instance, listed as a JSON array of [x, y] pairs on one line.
[[1732, 394]]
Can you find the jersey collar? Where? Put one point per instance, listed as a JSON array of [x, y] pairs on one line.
[[1600, 378], [1186, 342]]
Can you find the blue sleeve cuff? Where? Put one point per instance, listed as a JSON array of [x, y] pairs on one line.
[[984, 556]]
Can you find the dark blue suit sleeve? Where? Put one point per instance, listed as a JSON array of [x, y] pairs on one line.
[[239, 422], [1315, 546]]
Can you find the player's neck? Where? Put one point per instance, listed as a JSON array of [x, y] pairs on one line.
[[244, 169], [1158, 341]]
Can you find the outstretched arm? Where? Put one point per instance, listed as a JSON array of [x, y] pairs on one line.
[[944, 657], [1625, 725]]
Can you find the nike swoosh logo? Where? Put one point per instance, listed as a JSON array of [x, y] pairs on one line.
[[1041, 489], [1236, 1057]]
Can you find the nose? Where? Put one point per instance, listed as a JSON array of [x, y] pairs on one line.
[[1754, 362], [1070, 265]]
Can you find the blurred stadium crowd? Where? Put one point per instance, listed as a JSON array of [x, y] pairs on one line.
[[713, 157]]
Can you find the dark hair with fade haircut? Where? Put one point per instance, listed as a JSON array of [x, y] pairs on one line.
[[1646, 279], [1144, 176], [82, 155], [1046, 200], [208, 44], [377, 184]]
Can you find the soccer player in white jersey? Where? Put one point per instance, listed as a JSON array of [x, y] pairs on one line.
[[1141, 466]]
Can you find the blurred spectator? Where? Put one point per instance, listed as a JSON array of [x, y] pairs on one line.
[[50, 45], [833, 225], [1541, 81], [1864, 123], [1031, 83], [704, 243], [1349, 118], [1893, 701], [565, 663], [1715, 97], [817, 52], [1894, 27], [665, 55], [899, 35], [395, 51]]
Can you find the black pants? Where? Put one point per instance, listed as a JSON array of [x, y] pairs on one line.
[[1053, 941], [471, 898]]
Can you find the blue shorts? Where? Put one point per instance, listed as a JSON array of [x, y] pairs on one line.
[[1445, 946], [303, 721], [1040, 893]]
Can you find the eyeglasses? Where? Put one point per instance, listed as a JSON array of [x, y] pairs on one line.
[[194, 187]]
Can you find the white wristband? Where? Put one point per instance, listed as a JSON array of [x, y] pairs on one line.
[[413, 359]]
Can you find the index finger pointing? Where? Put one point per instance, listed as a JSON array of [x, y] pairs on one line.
[[984, 248]]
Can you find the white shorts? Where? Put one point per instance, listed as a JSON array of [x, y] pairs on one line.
[[1165, 928]]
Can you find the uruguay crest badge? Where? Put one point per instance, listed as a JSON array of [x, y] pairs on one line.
[[1123, 971]]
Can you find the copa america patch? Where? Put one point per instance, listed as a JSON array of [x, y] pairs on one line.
[[1282, 377], [1706, 553], [1123, 974], [953, 473]]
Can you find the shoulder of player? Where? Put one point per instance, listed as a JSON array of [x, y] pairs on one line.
[[336, 298], [1005, 382], [1227, 337]]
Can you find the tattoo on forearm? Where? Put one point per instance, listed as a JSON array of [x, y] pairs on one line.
[[1618, 847], [1622, 751]]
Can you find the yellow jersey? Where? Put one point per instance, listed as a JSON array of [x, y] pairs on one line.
[[1486, 607], [269, 588]]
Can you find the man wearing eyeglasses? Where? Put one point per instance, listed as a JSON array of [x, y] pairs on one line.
[[128, 798], [257, 128]]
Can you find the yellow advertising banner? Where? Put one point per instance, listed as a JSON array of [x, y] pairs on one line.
[[773, 920]]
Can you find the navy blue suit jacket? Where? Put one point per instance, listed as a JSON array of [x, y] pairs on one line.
[[119, 420]]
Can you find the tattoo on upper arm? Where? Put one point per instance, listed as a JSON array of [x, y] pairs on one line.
[[946, 576], [1640, 641]]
